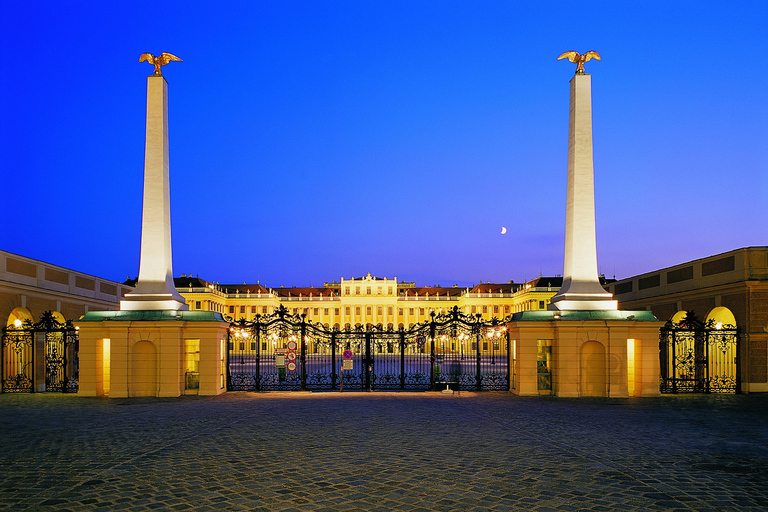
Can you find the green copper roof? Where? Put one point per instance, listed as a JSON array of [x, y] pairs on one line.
[[548, 316], [156, 316]]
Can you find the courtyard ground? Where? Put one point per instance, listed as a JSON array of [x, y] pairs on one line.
[[383, 451]]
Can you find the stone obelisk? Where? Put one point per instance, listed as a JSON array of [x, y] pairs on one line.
[[155, 289], [581, 289]]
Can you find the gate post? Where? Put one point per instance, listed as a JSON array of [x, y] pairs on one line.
[[432, 385], [333, 359], [303, 352], [368, 361], [257, 377], [402, 358], [479, 373]]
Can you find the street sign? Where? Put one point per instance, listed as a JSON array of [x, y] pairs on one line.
[[347, 364], [347, 354], [291, 366], [279, 361], [282, 351], [291, 356], [292, 346]]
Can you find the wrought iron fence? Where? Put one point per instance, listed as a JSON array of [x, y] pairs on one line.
[[699, 357], [39, 356], [286, 352]]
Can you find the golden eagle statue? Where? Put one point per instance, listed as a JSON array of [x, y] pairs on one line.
[[161, 60], [579, 59]]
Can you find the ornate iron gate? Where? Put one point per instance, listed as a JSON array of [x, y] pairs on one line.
[[45, 352], [286, 352], [699, 358]]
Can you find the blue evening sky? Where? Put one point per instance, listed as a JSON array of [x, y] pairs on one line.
[[315, 140]]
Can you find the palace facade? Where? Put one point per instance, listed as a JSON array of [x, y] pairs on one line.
[[381, 301]]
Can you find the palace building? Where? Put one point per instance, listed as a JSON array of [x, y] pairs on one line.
[[381, 301]]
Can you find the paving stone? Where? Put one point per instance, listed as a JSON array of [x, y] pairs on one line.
[[376, 451]]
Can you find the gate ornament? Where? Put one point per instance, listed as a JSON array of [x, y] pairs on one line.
[[579, 60], [161, 60]]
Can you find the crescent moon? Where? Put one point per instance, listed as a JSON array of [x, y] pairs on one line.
[[503, 230]]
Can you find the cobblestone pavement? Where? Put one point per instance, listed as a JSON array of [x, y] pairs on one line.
[[383, 451]]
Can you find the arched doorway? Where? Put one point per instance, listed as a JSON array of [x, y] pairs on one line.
[[144, 370], [593, 378]]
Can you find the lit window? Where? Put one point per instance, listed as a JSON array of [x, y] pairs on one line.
[[357, 290], [474, 309], [325, 311], [485, 309], [253, 310], [346, 310], [400, 311], [346, 290], [421, 311], [410, 311], [390, 310], [506, 309], [357, 310], [368, 290], [336, 311], [368, 310], [495, 309], [378, 290], [378, 310], [264, 310], [242, 310], [390, 290]]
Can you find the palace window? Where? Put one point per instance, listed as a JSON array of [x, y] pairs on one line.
[[253, 310], [378, 310], [495, 309], [325, 311], [231, 310], [390, 309], [316, 311], [410, 311], [264, 310], [485, 309], [378, 290], [197, 304], [474, 309], [357, 310], [400, 311], [346, 290], [368, 310], [346, 311], [357, 290], [541, 304], [336, 311], [506, 309], [390, 290], [421, 311], [368, 290]]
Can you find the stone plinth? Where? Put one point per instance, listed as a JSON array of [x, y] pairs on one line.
[[581, 289], [146, 353], [585, 353], [154, 289]]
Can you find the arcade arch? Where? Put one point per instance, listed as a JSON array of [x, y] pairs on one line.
[[18, 316]]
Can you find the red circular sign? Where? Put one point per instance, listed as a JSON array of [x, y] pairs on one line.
[[291, 366], [292, 345], [347, 354], [291, 356]]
